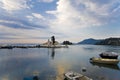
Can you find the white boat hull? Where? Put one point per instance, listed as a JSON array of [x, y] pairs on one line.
[[75, 76]]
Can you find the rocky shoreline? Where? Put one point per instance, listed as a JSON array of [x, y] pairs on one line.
[[35, 46]]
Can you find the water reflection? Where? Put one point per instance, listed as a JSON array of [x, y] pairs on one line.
[[35, 78], [116, 67], [31, 78], [53, 53]]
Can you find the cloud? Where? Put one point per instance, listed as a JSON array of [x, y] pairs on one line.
[[65, 19], [69, 19], [20, 24], [48, 1], [36, 15], [38, 20], [12, 5], [72, 16], [23, 34]]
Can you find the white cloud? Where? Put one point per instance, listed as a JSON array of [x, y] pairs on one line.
[[36, 15], [12, 5], [30, 18], [46, 1], [71, 16], [16, 23], [68, 18], [23, 34], [116, 9], [37, 19]]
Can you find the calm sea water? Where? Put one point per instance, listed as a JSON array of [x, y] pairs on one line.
[[50, 64]]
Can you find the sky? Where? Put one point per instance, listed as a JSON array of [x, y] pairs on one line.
[[35, 21]]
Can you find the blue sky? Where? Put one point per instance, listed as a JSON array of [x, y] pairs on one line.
[[35, 21]]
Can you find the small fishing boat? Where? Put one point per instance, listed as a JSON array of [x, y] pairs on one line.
[[104, 60], [109, 55], [75, 76]]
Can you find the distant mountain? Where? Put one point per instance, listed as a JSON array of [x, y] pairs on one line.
[[89, 41], [110, 41]]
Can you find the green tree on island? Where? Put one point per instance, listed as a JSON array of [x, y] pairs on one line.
[[53, 40], [67, 43]]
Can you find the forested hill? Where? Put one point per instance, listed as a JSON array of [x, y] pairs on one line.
[[110, 41], [89, 41]]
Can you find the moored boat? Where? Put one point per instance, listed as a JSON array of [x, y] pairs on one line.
[[104, 60], [75, 76], [109, 55]]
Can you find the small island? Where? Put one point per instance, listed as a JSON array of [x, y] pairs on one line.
[[53, 44]]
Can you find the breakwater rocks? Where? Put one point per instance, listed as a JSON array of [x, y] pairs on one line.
[[35, 46]]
